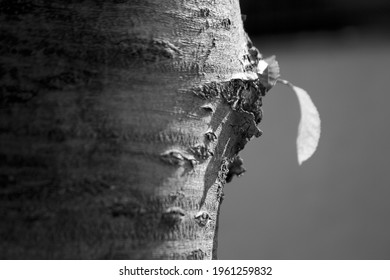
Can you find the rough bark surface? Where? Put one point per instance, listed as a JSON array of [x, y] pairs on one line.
[[119, 123]]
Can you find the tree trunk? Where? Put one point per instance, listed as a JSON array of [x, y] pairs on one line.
[[120, 122]]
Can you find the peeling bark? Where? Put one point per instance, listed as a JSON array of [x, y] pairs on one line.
[[120, 123]]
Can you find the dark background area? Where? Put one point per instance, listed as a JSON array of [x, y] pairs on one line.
[[337, 204], [289, 16]]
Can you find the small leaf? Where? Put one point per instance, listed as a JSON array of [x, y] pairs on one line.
[[309, 128], [273, 70], [268, 72]]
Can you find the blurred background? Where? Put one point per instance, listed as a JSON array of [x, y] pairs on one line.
[[337, 204]]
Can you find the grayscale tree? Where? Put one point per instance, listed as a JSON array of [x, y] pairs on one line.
[[120, 123]]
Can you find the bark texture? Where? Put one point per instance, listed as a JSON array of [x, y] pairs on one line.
[[119, 123]]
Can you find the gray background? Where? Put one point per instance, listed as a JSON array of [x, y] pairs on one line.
[[336, 205]]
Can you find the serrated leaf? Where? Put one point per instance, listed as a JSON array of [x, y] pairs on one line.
[[309, 128]]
